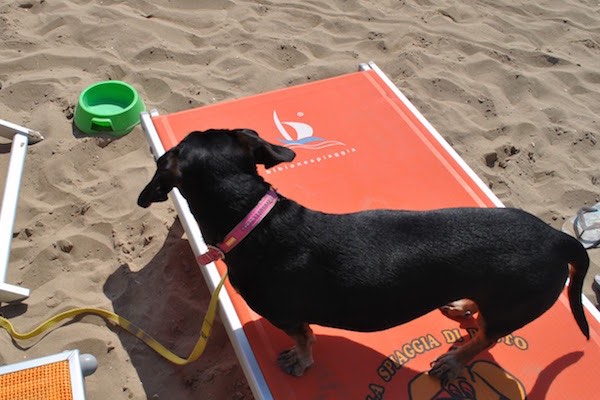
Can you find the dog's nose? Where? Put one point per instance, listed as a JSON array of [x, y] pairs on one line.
[[143, 200], [143, 204]]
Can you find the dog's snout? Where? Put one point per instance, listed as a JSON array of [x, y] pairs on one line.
[[143, 203], [154, 192], [143, 199]]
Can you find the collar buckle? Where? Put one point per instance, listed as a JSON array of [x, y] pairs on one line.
[[213, 254]]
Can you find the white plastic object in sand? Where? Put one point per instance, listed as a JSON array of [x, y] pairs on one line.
[[20, 136]]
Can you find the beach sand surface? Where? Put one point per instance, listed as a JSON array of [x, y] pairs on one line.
[[513, 86]]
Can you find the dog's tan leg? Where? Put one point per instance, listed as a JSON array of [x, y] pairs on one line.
[[296, 360], [460, 310], [448, 366]]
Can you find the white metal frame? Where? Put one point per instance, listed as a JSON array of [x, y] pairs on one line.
[[20, 136]]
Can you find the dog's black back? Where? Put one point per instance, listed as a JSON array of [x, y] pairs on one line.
[[368, 270]]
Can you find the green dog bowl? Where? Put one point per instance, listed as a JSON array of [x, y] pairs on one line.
[[109, 107]]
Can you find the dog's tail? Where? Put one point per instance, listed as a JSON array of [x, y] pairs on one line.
[[580, 261]]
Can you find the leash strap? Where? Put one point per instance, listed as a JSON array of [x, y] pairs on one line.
[[256, 215], [130, 327]]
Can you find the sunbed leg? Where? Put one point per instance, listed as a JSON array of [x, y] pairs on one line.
[[20, 139]]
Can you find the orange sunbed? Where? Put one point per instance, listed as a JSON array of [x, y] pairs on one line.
[[361, 144]]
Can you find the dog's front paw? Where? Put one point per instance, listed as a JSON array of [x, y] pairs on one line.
[[446, 367], [292, 362]]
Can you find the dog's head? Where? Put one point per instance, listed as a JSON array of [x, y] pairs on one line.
[[204, 157]]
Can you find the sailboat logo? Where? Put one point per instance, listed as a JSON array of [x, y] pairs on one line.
[[302, 136]]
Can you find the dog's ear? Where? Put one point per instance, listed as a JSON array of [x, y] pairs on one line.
[[166, 177], [264, 152]]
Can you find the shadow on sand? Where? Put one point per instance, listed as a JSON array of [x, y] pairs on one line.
[[168, 298]]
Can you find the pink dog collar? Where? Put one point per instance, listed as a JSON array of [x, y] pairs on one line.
[[237, 234]]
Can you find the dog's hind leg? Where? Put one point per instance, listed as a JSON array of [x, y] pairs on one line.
[[460, 310], [506, 314], [448, 366], [297, 359]]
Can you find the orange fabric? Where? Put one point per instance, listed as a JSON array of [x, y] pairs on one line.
[[373, 152], [46, 382]]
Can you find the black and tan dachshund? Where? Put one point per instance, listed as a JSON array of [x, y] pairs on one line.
[[369, 270]]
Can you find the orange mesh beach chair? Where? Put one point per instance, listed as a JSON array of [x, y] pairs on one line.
[[361, 144], [56, 377]]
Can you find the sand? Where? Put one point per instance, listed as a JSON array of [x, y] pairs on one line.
[[515, 88]]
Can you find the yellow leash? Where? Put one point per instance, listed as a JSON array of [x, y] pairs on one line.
[[131, 328]]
